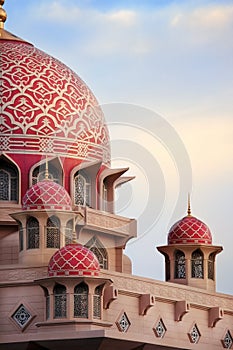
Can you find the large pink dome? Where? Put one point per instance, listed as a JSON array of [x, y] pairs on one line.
[[47, 194], [73, 260], [47, 108], [189, 230]]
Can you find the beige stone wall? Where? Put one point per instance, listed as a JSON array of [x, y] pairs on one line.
[[144, 302]]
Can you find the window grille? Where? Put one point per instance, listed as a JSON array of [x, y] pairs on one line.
[[9, 182], [81, 300], [60, 297], [97, 302], [211, 266], [180, 265], [100, 252], [69, 232], [82, 190], [197, 264], [33, 234], [53, 232]]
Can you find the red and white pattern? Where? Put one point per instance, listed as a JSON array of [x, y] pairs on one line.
[[47, 194], [189, 230], [73, 260], [46, 108]]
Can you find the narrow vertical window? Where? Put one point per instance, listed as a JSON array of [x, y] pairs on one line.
[[81, 300], [197, 264], [33, 234], [97, 302], [47, 303], [59, 294], [20, 237], [53, 232], [69, 232], [180, 271], [211, 266], [82, 190]]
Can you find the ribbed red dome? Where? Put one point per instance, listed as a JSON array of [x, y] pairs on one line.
[[189, 230], [73, 260], [47, 194]]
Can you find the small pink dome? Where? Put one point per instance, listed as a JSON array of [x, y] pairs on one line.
[[46, 194], [189, 230], [73, 260]]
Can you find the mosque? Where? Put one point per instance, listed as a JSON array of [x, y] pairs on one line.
[[65, 282]]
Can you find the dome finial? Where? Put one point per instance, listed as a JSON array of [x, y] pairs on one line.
[[46, 166], [189, 206], [3, 14]]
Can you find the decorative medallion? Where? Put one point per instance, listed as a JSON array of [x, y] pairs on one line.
[[159, 329], [22, 316], [194, 334], [123, 323], [227, 341]]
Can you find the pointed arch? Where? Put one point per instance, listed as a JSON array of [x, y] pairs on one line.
[[33, 233], [53, 232], [180, 268], [197, 262], [37, 172], [99, 250], [81, 300], [60, 301], [9, 180]]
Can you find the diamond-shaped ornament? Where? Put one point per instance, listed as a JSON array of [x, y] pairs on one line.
[[160, 329], [123, 323], [21, 316], [194, 334], [227, 341]]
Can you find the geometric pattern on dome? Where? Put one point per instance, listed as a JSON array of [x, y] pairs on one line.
[[21, 316], [227, 341], [189, 230], [46, 195], [123, 323], [46, 107], [73, 260]]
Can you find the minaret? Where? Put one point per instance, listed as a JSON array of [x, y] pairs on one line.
[[189, 254]]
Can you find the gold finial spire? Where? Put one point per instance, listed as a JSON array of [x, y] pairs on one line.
[[46, 166], [189, 206], [3, 15]]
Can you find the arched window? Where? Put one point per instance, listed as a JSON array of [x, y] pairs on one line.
[[211, 266], [82, 190], [180, 271], [81, 300], [55, 173], [197, 264], [9, 181], [20, 236], [33, 233], [59, 294], [97, 302], [167, 268], [53, 232], [100, 252], [69, 232]]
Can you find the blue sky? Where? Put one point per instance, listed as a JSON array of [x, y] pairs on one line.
[[174, 58]]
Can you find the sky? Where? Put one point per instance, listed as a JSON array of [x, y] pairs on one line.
[[162, 71]]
